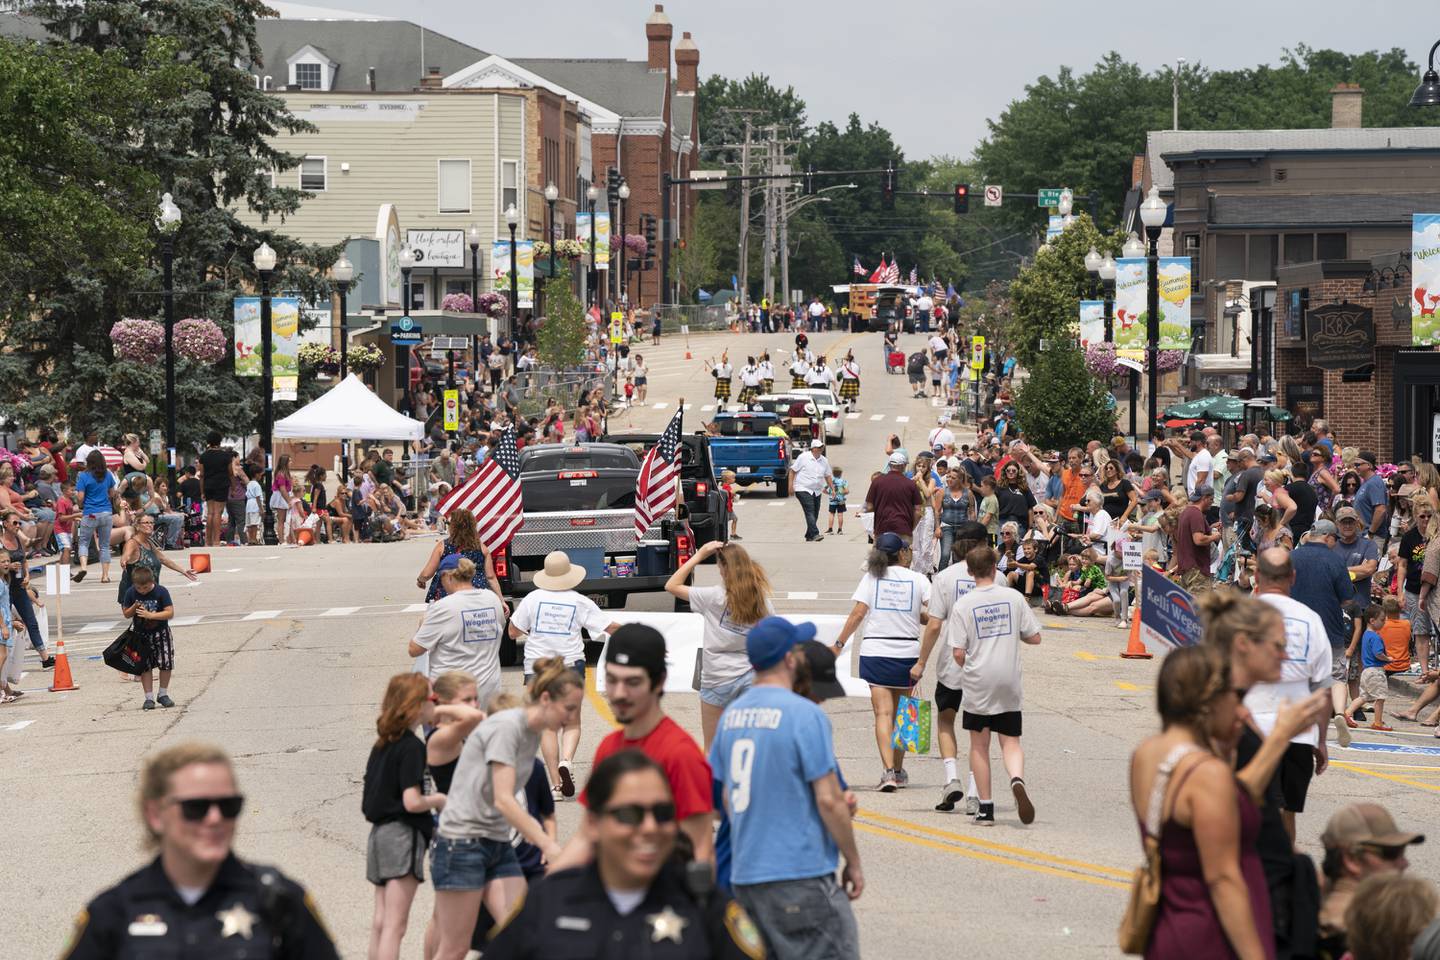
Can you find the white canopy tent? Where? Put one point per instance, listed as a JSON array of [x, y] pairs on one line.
[[349, 411]]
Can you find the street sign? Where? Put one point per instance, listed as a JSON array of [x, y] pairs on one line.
[[617, 327], [977, 353], [157, 442], [994, 194], [718, 175], [452, 410], [405, 331], [1049, 196]]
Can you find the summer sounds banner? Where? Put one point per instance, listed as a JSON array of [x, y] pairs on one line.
[[1132, 316], [284, 337], [524, 270], [1424, 279], [1092, 322], [602, 238]]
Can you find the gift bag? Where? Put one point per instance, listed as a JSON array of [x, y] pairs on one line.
[[912, 724], [128, 653]]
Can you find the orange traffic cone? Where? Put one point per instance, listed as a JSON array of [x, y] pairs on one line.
[[61, 679], [1136, 649], [687, 354]]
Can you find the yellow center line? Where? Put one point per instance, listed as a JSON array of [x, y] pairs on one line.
[[1393, 778], [958, 838], [989, 857], [596, 700]]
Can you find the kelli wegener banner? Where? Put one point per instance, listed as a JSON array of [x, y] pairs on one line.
[[524, 270], [602, 237], [284, 337], [1424, 279], [1131, 314], [1092, 322]]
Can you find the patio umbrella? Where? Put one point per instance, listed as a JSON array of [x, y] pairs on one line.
[[1220, 406]]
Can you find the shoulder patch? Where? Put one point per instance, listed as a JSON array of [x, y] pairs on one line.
[[743, 932]]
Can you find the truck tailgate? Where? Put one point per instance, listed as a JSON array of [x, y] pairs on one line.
[[749, 455], [612, 531]]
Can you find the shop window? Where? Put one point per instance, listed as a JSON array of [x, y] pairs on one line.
[[1260, 261], [1299, 247], [1331, 246], [1229, 257]]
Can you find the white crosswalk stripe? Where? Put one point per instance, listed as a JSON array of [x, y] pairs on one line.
[[902, 419], [262, 615], [802, 595], [707, 408], [852, 416], [661, 406], [339, 611], [416, 608], [100, 627], [184, 621], [876, 416]]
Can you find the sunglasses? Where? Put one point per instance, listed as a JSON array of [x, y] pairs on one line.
[[633, 814], [1384, 853], [195, 809]]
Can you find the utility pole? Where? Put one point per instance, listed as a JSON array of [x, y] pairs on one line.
[[745, 217], [768, 257], [784, 241]]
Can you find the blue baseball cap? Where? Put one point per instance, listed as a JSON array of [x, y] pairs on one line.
[[449, 562], [769, 640], [889, 542]]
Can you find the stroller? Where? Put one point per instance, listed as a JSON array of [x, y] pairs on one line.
[[895, 363], [192, 532]]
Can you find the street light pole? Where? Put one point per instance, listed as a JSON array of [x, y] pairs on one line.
[[1107, 273], [1092, 267], [552, 193], [621, 275], [1152, 215], [264, 260], [343, 271], [512, 218], [473, 235], [591, 195], [168, 223]]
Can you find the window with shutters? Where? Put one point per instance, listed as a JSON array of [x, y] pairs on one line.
[[454, 186], [312, 174]]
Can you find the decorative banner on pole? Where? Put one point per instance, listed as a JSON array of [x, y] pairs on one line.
[[1131, 314], [247, 336], [285, 337], [1092, 322], [602, 238], [524, 270], [1424, 279], [1055, 227]]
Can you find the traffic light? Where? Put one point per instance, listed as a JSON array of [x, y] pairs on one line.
[[649, 230], [612, 181], [809, 182], [962, 198], [887, 197]]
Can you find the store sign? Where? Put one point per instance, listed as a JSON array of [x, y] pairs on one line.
[[1340, 336], [437, 248]]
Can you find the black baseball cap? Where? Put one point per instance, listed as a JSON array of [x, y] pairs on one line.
[[821, 661], [637, 645]]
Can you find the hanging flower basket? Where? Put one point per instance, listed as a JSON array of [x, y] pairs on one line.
[[1100, 360], [318, 355], [494, 305], [364, 357], [138, 341], [459, 302], [569, 249], [200, 340]]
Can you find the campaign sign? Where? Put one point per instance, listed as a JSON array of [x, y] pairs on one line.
[[1168, 614]]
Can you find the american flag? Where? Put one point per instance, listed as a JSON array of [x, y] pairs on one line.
[[892, 273], [655, 487], [914, 276], [859, 270], [492, 494]]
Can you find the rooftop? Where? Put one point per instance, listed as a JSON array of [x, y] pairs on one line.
[[625, 86], [391, 47], [1170, 143]]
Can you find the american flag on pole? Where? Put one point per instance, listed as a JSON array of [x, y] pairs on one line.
[[655, 487], [859, 270], [492, 494], [892, 273], [914, 276]]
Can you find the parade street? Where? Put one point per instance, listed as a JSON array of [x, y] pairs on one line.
[[283, 653]]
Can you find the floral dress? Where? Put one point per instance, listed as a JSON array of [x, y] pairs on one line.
[[925, 549], [1324, 496]]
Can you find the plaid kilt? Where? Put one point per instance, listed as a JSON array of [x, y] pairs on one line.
[[849, 389], [722, 388], [797, 381], [748, 395]]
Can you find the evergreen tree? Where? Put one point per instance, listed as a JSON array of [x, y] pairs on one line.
[[1061, 404]]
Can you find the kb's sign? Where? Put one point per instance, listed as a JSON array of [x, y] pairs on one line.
[[1339, 336]]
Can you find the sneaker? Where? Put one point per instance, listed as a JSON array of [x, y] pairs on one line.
[[1342, 732], [887, 782], [985, 819], [972, 805], [557, 795], [902, 777], [952, 793], [149, 705], [47, 663], [77, 576], [567, 780], [164, 700], [1022, 801], [1382, 727]]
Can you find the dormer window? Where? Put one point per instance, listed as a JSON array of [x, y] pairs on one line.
[[311, 69], [309, 76]]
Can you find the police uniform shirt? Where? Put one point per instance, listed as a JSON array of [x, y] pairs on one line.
[[144, 918], [570, 915]]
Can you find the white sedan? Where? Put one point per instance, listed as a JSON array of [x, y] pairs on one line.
[[830, 408]]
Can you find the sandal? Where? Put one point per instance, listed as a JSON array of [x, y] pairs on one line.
[[1382, 728]]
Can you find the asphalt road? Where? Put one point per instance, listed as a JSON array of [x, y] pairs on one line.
[[282, 656]]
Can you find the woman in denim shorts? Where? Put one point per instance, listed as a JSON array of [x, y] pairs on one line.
[[729, 610], [472, 859]]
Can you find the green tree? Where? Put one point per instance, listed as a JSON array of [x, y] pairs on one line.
[[1061, 404], [1045, 295], [207, 142], [560, 338], [698, 263]]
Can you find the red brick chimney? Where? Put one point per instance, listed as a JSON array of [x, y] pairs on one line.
[[687, 65], [657, 36]]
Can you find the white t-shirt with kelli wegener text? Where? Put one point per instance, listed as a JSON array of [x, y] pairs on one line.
[[946, 589], [462, 632], [724, 659], [989, 624], [551, 621], [892, 624]]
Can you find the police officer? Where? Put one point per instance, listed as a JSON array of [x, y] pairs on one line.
[[197, 899], [633, 901]]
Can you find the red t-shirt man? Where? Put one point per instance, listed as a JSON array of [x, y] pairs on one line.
[[678, 755], [1188, 554], [894, 497]]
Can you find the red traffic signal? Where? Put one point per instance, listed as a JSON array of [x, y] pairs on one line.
[[962, 198]]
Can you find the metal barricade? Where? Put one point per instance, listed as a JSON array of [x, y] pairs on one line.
[[697, 318], [568, 388]]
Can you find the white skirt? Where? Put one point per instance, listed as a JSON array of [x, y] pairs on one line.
[[278, 501]]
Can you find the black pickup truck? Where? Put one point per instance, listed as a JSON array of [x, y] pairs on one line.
[[704, 502]]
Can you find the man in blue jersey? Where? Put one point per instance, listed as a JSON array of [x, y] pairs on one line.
[[775, 760]]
